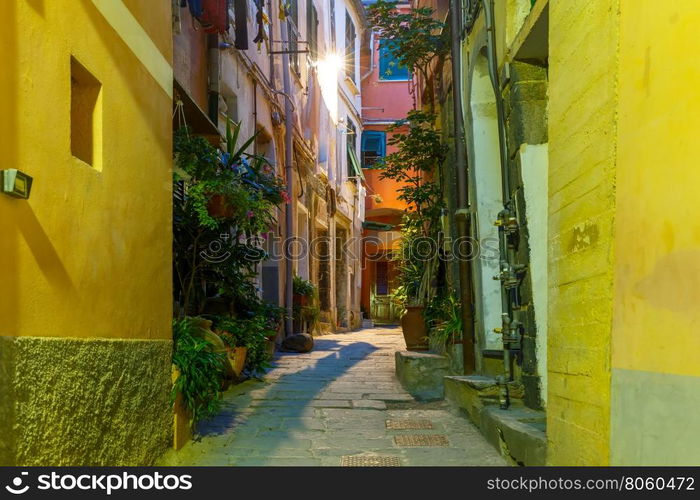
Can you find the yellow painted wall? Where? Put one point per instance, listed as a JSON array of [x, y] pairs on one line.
[[658, 286], [89, 254], [655, 369], [583, 41]]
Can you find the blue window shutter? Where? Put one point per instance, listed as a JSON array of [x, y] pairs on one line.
[[374, 141], [373, 147]]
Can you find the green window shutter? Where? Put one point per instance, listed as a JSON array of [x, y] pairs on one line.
[[355, 163]]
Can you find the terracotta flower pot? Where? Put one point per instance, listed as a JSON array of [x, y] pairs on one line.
[[414, 330], [301, 300], [218, 207]]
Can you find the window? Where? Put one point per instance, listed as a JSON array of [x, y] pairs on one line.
[[312, 29], [389, 68], [373, 147], [332, 14], [350, 69], [85, 115], [351, 155]]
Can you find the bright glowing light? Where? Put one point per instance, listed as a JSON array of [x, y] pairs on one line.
[[328, 68]]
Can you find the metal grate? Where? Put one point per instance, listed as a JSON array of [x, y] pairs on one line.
[[368, 461], [421, 440], [401, 424]]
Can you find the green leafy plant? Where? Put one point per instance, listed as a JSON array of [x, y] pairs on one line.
[[302, 287], [205, 181], [443, 318], [419, 154], [202, 370]]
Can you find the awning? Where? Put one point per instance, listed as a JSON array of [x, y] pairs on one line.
[[377, 226], [196, 119]]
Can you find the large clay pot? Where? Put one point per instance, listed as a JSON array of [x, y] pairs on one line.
[[414, 330], [236, 358]]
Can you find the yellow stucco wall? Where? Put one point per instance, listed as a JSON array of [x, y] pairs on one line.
[[583, 39], [656, 374], [89, 254], [658, 285]]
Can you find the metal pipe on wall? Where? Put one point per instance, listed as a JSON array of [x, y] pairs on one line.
[[288, 159], [462, 212], [495, 81], [507, 222]]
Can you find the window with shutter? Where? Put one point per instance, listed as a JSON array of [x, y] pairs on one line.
[[350, 69], [373, 147]]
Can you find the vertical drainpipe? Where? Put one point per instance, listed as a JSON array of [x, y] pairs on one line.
[[288, 156], [508, 225], [214, 77], [462, 212]]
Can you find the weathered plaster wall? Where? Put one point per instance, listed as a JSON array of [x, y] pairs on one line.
[[84, 402], [655, 369], [583, 38], [533, 160]]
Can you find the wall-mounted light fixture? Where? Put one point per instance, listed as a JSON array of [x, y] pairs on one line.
[[16, 183]]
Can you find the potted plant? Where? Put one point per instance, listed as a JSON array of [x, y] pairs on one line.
[[414, 164], [230, 331], [443, 317], [415, 275], [303, 290], [199, 369]]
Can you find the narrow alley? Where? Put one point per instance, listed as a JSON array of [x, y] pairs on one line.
[[337, 405], [210, 211]]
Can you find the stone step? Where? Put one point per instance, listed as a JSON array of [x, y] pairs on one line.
[[518, 432], [421, 373]]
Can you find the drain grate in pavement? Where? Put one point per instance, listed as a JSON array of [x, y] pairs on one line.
[[369, 461], [401, 424], [421, 440]]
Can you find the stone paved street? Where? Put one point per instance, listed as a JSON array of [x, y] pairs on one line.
[[337, 401]]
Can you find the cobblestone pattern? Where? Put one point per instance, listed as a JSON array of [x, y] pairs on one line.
[[312, 409]]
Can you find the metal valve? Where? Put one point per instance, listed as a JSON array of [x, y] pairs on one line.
[[508, 221], [510, 329], [509, 275]]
